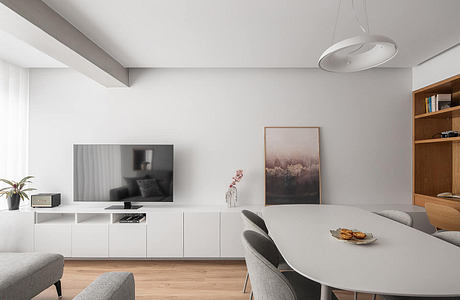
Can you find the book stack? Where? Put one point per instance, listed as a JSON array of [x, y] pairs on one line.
[[437, 102]]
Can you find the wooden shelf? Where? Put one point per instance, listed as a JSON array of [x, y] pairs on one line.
[[436, 164], [445, 113], [420, 200], [440, 140]]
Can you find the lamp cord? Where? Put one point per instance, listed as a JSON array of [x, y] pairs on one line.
[[357, 18], [336, 21], [365, 28]]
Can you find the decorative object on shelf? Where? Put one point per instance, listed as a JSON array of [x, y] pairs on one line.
[[45, 200], [292, 165], [448, 195], [231, 197], [16, 191], [449, 133], [360, 52]]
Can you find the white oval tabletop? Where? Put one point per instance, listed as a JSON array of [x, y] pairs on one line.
[[403, 261]]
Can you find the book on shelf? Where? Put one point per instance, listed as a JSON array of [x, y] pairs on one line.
[[438, 102]]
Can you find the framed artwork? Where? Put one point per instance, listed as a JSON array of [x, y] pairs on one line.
[[292, 165]]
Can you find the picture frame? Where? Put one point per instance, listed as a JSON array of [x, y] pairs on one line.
[[292, 166]]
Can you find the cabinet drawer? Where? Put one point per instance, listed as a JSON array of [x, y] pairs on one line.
[[90, 240], [127, 240], [165, 235], [201, 234], [54, 238], [231, 228]]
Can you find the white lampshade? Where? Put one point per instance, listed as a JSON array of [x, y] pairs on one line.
[[358, 53]]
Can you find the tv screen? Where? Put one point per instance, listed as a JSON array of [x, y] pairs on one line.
[[125, 173]]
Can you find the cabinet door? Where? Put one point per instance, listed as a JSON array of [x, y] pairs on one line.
[[201, 234], [53, 238], [90, 240], [127, 240], [231, 227], [16, 231], [165, 235]]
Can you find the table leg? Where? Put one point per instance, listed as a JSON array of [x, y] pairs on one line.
[[325, 292]]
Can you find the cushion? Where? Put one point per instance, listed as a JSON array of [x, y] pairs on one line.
[[25, 275], [164, 179], [133, 187], [149, 188], [110, 286]]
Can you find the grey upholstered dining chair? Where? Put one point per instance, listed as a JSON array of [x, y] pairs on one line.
[[398, 216], [268, 282], [452, 237], [254, 222]]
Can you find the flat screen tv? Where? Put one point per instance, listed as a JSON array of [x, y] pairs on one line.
[[123, 173]]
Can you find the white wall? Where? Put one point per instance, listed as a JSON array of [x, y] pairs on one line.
[[439, 68], [215, 118]]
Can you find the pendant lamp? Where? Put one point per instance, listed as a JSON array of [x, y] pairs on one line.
[[357, 53]]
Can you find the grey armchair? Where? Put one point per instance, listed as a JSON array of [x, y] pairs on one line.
[[110, 286], [268, 282]]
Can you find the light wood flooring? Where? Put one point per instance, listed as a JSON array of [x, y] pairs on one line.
[[178, 280]]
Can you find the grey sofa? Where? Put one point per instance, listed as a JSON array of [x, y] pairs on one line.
[[110, 286], [25, 275]]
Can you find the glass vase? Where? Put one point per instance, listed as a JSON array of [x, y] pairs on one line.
[[231, 197]]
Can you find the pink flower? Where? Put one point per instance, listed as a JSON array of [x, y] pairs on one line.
[[237, 177]]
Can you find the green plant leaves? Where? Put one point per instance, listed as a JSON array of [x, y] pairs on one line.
[[7, 181], [10, 190], [25, 179]]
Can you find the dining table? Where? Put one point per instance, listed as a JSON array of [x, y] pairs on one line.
[[403, 261]]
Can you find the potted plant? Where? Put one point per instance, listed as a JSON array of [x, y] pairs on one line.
[[15, 191]]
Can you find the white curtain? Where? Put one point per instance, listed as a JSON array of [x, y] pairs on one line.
[[14, 122]]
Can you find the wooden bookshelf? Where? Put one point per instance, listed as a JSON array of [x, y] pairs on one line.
[[436, 161], [440, 140], [441, 114]]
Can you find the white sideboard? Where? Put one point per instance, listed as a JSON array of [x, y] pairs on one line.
[[77, 231]]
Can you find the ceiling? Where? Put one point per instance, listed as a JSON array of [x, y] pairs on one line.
[[254, 33], [21, 54]]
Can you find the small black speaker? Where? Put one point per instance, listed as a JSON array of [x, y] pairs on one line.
[[45, 200]]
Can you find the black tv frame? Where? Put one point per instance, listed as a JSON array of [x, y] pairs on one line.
[[126, 204]]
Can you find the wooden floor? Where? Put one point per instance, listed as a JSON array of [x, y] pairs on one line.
[[165, 279]]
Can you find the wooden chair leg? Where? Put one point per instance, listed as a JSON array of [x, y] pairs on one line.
[[245, 282], [251, 296], [58, 288]]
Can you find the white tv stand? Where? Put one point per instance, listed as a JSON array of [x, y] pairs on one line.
[[169, 231]]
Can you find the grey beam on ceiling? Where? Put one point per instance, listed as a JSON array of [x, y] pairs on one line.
[[37, 24]]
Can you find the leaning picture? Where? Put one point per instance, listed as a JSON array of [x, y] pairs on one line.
[[292, 165]]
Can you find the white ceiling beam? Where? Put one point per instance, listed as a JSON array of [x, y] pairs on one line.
[[38, 25]]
